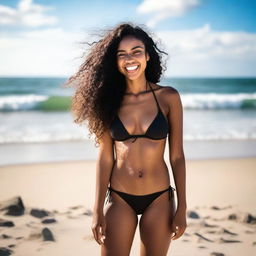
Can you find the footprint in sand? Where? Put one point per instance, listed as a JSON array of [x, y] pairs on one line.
[[217, 254], [201, 237], [222, 240]]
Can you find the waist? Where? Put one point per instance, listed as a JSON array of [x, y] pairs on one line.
[[140, 180]]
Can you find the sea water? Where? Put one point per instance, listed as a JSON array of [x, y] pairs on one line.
[[37, 110]]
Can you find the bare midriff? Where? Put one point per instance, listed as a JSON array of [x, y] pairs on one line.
[[140, 167]]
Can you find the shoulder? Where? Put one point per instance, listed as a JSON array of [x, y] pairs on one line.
[[168, 92], [170, 96]]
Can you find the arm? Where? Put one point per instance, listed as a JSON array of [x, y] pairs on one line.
[[177, 160], [103, 172], [176, 154], [104, 167]]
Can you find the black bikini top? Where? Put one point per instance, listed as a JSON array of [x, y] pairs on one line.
[[157, 130]]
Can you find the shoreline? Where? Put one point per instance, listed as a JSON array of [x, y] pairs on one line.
[[85, 150]]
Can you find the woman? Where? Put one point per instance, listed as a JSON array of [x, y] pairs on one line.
[[131, 116]]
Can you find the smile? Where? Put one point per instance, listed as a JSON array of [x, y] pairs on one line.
[[132, 68]]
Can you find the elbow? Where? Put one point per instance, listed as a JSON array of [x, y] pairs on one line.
[[175, 159]]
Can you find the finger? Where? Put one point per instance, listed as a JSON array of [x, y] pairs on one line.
[[99, 235], [103, 231], [178, 234], [175, 231], [102, 235], [94, 234]]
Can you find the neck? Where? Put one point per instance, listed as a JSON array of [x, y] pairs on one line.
[[136, 86]]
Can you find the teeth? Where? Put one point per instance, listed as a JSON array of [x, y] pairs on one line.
[[132, 68]]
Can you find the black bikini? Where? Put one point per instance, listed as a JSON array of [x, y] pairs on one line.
[[139, 203], [157, 130]]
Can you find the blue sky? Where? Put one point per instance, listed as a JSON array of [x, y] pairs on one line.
[[202, 37]]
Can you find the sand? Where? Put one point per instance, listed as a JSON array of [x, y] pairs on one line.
[[221, 192]]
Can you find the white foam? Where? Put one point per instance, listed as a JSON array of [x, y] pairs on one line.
[[215, 101], [20, 102]]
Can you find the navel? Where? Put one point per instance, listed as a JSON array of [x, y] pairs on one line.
[[140, 174]]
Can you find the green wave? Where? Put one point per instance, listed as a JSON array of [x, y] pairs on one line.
[[250, 103], [55, 103]]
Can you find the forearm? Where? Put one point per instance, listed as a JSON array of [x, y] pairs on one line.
[[179, 173], [103, 173]]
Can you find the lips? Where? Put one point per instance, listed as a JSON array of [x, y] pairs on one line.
[[131, 69]]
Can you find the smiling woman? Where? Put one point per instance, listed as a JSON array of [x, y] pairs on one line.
[[132, 116]]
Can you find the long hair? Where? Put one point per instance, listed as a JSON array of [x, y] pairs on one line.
[[100, 87]]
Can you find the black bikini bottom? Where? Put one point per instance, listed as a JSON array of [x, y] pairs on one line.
[[139, 203]]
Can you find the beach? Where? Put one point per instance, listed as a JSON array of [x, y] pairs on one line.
[[48, 164], [220, 198]]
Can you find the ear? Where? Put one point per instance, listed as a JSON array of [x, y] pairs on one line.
[[147, 57]]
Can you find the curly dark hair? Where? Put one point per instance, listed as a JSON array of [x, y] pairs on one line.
[[100, 87]]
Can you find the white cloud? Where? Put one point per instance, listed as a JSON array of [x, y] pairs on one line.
[[197, 52], [26, 14], [203, 43], [203, 51], [46, 52], [163, 9]]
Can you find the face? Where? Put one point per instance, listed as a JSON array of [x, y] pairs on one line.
[[131, 57]]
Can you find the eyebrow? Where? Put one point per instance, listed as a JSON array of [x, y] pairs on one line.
[[138, 46]]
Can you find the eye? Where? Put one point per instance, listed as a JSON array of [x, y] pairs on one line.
[[137, 52]]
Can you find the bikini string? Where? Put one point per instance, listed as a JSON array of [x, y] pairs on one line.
[[171, 193]]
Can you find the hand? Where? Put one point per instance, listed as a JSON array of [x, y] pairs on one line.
[[179, 224], [99, 227]]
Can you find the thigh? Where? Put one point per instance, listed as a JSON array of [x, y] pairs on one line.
[[121, 223], [155, 226]]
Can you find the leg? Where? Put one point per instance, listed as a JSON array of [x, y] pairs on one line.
[[121, 223], [155, 226]]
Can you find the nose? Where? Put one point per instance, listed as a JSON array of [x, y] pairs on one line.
[[128, 56]]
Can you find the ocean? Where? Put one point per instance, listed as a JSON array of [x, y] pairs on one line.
[[36, 110]]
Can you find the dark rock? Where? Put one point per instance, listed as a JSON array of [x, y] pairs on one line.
[[202, 247], [6, 223], [48, 221], [243, 217], [193, 215], [232, 216], [4, 236], [202, 237], [5, 251], [217, 254], [39, 213], [14, 206], [47, 235], [250, 219], [254, 243], [11, 245], [19, 237]]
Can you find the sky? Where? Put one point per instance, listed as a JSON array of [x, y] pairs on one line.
[[203, 38]]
